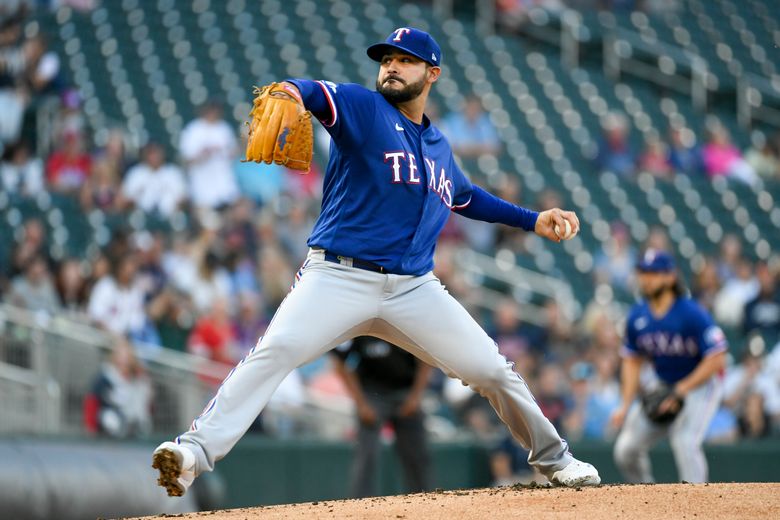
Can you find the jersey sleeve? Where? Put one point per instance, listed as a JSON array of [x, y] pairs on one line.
[[707, 333], [463, 188], [346, 110]]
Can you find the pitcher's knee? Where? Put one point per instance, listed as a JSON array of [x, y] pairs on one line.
[[489, 378], [281, 349]]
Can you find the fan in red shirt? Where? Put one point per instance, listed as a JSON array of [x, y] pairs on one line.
[[69, 166], [213, 338]]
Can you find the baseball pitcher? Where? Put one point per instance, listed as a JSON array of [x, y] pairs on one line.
[[390, 185], [682, 392]]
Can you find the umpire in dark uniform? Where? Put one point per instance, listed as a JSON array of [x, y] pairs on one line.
[[387, 384]]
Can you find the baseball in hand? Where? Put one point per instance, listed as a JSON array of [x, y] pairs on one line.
[[564, 234]]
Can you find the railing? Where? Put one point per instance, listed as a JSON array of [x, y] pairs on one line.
[[752, 92], [48, 365], [666, 65], [529, 283]]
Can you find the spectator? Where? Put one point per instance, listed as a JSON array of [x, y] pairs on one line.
[[113, 151], [21, 173], [763, 155], [657, 239], [208, 146], [72, 285], [706, 284], [250, 322], [513, 335], [43, 66], [513, 14], [741, 379], [120, 402], [470, 132], [559, 332], [117, 303], [70, 119], [684, 155], [154, 185], [762, 313], [614, 264], [69, 166], [604, 397], [13, 66], [614, 152], [551, 393], [33, 244], [35, 290], [211, 282], [730, 257], [655, 158], [729, 304], [509, 464], [213, 339], [276, 275], [101, 189], [722, 159], [754, 422], [387, 385]]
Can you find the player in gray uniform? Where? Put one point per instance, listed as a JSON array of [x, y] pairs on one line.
[[687, 352], [389, 188]]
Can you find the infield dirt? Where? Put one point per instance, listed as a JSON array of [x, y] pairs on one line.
[[658, 501]]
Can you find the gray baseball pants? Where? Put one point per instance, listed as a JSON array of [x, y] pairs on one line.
[[331, 303], [686, 435]]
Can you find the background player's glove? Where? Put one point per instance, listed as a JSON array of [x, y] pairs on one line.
[[652, 405], [280, 130]]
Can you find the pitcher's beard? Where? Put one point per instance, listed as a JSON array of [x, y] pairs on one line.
[[657, 293], [402, 95]]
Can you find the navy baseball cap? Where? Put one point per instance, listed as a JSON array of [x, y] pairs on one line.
[[411, 41], [654, 261]]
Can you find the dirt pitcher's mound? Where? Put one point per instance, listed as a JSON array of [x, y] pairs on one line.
[[691, 501]]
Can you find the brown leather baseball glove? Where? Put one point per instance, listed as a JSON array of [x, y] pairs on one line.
[[280, 130], [651, 404]]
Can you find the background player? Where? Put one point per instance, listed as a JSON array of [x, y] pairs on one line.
[[387, 385], [389, 188], [688, 353]]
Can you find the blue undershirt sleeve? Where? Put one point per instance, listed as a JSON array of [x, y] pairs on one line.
[[314, 98], [489, 208]]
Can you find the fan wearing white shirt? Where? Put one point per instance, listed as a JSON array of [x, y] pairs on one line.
[[208, 146], [153, 185], [117, 303]]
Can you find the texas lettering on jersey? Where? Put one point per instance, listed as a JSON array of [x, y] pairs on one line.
[[665, 344], [405, 170]]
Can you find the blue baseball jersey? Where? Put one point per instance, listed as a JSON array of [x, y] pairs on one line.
[[676, 342], [390, 184]]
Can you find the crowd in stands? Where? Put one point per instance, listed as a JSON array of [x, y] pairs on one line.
[[211, 289], [680, 153]]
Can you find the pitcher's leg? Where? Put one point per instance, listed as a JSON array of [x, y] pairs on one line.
[[327, 306], [431, 324], [632, 445], [687, 432]]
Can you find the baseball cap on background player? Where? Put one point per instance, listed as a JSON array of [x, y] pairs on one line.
[[411, 41], [655, 261]]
